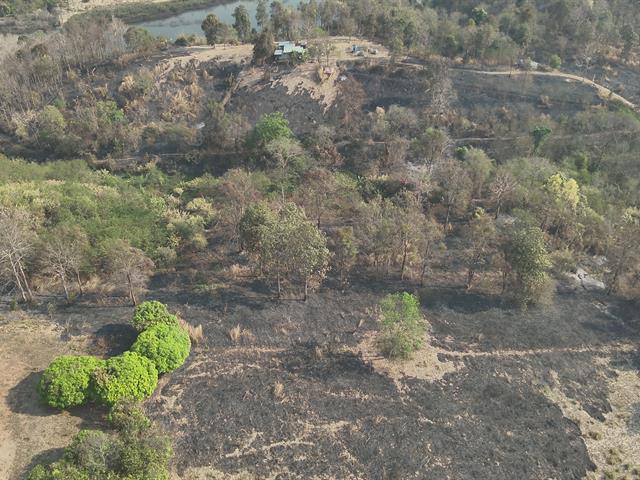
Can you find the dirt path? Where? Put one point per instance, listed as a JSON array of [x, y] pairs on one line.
[[596, 349], [603, 92]]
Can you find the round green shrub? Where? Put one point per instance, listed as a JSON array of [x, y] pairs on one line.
[[127, 377], [65, 383], [167, 346], [151, 313]]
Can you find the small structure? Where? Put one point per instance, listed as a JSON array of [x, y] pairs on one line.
[[286, 50]]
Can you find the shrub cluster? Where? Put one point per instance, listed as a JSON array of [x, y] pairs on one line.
[[167, 346], [162, 347], [151, 313], [403, 326], [65, 383], [134, 449], [128, 376]]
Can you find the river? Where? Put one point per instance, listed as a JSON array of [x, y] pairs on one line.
[[189, 22]]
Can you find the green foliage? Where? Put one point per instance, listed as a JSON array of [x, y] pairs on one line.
[[527, 256], [104, 206], [167, 346], [151, 313], [555, 61], [127, 377], [256, 219], [65, 382], [403, 326], [242, 23], [270, 127], [49, 128], [539, 134], [128, 418], [135, 450], [216, 31]]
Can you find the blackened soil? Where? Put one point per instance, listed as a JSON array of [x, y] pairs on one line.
[[337, 417]]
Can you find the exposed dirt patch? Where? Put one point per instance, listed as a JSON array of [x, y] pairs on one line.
[[29, 429]]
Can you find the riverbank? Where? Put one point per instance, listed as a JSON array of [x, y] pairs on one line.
[[137, 12]]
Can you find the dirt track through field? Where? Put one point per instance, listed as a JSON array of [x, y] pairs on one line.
[[603, 92], [616, 347]]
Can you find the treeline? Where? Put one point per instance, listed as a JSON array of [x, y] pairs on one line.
[[498, 31], [302, 213]]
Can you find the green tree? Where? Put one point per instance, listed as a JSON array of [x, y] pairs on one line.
[[216, 31], [242, 22], [479, 15], [403, 327], [539, 134], [50, 127], [291, 248], [623, 252], [555, 61], [270, 127], [262, 16], [528, 262], [480, 168]]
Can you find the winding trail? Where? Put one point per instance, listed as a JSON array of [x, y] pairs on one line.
[[603, 91]]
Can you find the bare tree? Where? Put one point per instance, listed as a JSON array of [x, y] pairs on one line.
[[63, 255], [17, 239], [502, 189], [131, 266]]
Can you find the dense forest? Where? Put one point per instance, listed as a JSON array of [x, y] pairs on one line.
[[116, 166]]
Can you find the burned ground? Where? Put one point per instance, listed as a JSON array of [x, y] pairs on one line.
[[337, 417]]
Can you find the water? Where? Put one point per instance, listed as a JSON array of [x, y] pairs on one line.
[[189, 22]]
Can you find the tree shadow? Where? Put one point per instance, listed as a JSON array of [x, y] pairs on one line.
[[461, 301], [114, 339], [24, 399], [43, 458]]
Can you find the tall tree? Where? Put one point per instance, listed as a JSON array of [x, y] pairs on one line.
[[262, 16], [263, 47], [17, 240], [623, 253], [528, 262], [480, 238], [290, 247], [242, 22]]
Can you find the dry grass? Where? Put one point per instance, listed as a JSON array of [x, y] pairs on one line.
[[196, 334], [240, 335], [278, 391]]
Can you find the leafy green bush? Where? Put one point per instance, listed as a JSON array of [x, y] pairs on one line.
[[151, 313], [167, 346], [134, 450], [65, 383], [403, 326], [127, 377]]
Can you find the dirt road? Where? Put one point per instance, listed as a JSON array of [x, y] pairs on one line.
[[603, 92]]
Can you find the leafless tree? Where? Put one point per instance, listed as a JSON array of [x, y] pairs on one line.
[[129, 266], [17, 239], [63, 255]]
